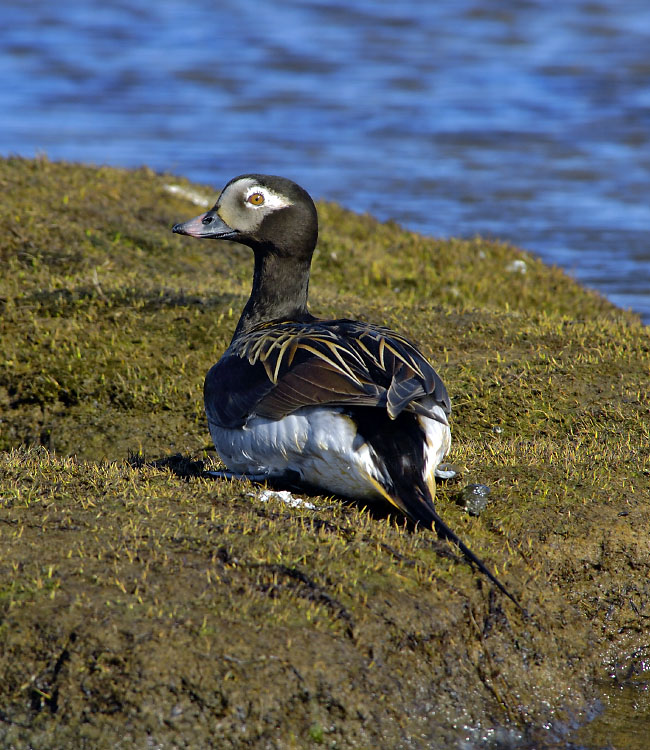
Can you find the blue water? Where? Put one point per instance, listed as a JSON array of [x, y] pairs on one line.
[[528, 121]]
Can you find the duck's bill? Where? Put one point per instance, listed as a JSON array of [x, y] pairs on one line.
[[206, 226]]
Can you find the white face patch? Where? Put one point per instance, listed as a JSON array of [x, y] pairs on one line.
[[272, 201], [244, 204]]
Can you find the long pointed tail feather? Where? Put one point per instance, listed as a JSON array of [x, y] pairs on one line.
[[420, 509], [444, 532]]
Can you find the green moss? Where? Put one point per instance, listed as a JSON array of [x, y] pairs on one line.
[[144, 603]]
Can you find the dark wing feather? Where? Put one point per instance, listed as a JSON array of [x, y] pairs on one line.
[[273, 370], [313, 382], [402, 392]]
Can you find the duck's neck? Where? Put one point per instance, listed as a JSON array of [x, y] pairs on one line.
[[279, 292]]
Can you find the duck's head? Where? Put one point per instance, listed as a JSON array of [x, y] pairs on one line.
[[270, 214]]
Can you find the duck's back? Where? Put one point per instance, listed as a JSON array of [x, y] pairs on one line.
[[331, 403], [277, 368]]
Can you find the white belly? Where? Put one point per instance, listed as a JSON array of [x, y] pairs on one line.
[[322, 446]]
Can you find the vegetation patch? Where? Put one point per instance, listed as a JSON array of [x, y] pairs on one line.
[[142, 602]]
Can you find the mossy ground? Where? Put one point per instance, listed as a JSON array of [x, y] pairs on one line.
[[143, 603]]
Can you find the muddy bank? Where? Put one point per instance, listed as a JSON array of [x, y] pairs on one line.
[[142, 604]]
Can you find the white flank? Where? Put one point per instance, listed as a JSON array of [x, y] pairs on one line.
[[321, 446], [438, 443]]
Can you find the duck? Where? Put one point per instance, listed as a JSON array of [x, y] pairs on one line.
[[342, 406]]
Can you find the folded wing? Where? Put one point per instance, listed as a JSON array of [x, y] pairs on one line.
[[274, 370]]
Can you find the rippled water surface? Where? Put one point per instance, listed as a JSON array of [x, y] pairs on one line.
[[528, 121]]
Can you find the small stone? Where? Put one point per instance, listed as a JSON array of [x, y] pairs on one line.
[[497, 430], [475, 498]]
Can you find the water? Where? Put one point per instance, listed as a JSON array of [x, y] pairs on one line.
[[527, 121]]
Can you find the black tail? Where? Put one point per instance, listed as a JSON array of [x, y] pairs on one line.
[[425, 508], [401, 443], [417, 503]]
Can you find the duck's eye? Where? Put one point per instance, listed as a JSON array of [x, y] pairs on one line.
[[256, 199]]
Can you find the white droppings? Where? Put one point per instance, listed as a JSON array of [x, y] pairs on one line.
[[283, 496]]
